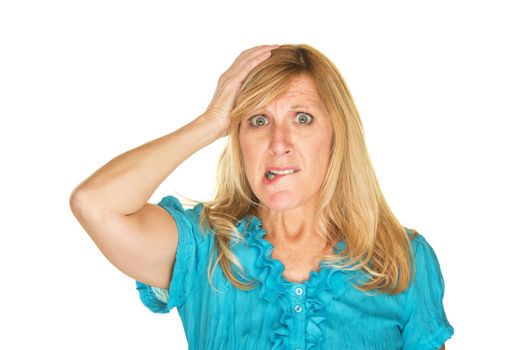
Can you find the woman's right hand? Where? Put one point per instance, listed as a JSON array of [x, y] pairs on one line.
[[230, 83]]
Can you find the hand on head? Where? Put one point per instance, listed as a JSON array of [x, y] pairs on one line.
[[231, 81]]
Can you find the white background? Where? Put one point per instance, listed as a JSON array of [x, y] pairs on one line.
[[439, 87]]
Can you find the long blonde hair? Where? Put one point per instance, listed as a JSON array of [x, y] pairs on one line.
[[352, 206]]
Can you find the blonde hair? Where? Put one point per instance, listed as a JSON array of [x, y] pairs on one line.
[[352, 206]]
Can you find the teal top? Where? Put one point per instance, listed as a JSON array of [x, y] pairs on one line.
[[324, 312]]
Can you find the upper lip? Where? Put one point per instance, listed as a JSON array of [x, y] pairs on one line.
[[281, 168]]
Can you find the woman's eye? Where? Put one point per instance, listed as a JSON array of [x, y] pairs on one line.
[[304, 118], [257, 120], [261, 120]]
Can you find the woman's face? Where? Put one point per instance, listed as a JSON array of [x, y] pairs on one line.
[[292, 133]]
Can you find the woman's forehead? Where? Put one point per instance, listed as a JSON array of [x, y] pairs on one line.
[[300, 92], [302, 84]]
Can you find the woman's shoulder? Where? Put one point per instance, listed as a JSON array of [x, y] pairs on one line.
[[416, 239], [187, 218], [425, 258], [193, 209]]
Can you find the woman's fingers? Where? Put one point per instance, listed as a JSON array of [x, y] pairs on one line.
[[231, 80], [246, 61], [251, 62], [255, 51]]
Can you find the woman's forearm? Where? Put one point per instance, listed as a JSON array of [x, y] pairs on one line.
[[124, 184]]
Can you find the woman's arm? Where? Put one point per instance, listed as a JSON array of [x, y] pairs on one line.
[[123, 185], [141, 238], [138, 238]]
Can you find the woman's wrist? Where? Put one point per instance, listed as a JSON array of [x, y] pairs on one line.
[[218, 125]]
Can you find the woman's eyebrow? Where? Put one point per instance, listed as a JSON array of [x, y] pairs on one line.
[[309, 105]]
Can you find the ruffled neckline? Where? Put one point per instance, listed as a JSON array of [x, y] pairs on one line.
[[322, 287]]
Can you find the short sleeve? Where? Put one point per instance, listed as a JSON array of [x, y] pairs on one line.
[[427, 327], [189, 257]]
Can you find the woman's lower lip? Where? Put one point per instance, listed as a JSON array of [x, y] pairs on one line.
[[275, 178]]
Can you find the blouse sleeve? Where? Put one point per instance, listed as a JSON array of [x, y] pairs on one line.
[[189, 256], [427, 327]]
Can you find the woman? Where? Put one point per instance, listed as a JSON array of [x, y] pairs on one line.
[[310, 255]]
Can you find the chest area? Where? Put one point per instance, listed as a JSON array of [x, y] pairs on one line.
[[297, 265]]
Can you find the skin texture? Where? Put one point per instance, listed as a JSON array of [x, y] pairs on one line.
[[288, 138]]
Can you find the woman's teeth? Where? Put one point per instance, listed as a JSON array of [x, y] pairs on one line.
[[272, 173]]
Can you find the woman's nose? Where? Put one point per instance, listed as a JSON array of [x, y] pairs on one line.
[[280, 141]]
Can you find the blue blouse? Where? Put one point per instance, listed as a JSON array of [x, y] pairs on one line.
[[324, 312]]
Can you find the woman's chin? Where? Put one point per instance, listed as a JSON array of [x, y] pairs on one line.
[[280, 201]]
